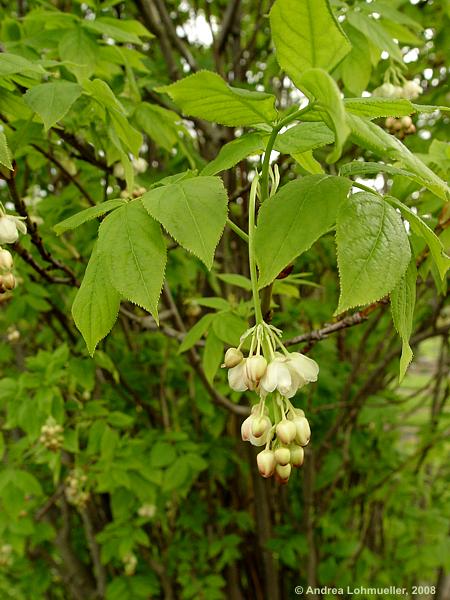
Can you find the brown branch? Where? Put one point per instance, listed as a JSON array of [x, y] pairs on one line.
[[170, 31], [99, 570], [229, 18], [28, 258]]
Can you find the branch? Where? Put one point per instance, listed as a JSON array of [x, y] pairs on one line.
[[227, 24], [28, 258], [170, 31]]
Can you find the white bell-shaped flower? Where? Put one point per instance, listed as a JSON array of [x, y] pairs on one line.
[[411, 90], [302, 369], [266, 463], [10, 227], [277, 377], [237, 377]]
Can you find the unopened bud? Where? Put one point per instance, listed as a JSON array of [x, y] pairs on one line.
[[256, 367], [283, 472], [266, 463], [406, 122], [233, 357], [286, 431], [8, 281], [390, 122], [246, 428], [260, 425], [297, 455], [303, 431], [6, 260], [282, 456]]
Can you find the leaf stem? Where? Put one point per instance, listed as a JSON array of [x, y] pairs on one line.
[[237, 230]]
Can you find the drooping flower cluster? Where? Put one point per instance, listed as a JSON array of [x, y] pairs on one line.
[[410, 90], [400, 127], [51, 435], [75, 491], [276, 375], [10, 227]]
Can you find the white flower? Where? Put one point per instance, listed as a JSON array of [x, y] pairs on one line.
[[297, 455], [140, 165], [277, 377], [282, 456], [303, 369], [6, 260], [262, 426], [255, 368], [10, 227], [237, 377], [266, 463], [411, 90]]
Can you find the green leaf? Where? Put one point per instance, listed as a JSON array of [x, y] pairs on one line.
[[237, 280], [420, 228], [403, 299], [196, 332], [307, 161], [162, 454], [127, 31], [51, 101], [130, 137], [176, 475], [373, 108], [303, 210], [135, 254], [212, 355], [363, 168], [158, 123], [87, 215], [370, 136], [375, 32], [234, 152], [96, 304], [193, 211], [228, 327], [321, 88], [306, 34], [207, 96], [5, 154], [77, 47], [304, 137], [356, 68], [372, 248], [10, 64]]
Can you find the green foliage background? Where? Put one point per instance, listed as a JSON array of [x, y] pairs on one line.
[[149, 420]]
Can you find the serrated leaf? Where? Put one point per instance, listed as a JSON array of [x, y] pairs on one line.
[[307, 161], [306, 34], [303, 210], [193, 211], [403, 299], [135, 254], [321, 88], [10, 64], [234, 152], [196, 332], [358, 167], [373, 108], [51, 101], [237, 280], [77, 47], [87, 215], [370, 136], [372, 248], [207, 96], [127, 31], [420, 228], [158, 123], [96, 304], [304, 137], [5, 154]]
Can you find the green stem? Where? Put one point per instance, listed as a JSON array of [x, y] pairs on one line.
[[366, 188], [251, 251], [266, 163], [237, 230]]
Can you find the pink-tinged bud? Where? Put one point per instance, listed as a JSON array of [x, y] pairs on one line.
[[297, 455], [283, 472], [286, 431], [246, 428], [233, 357], [282, 456], [8, 281], [6, 260], [260, 425], [406, 122], [255, 368], [303, 431], [266, 463]]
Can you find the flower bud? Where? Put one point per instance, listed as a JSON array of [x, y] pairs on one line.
[[233, 357], [297, 455], [286, 431], [6, 260], [260, 425], [411, 90], [246, 428], [406, 122], [283, 472], [255, 368], [266, 463], [8, 281], [282, 456], [389, 122], [303, 431]]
